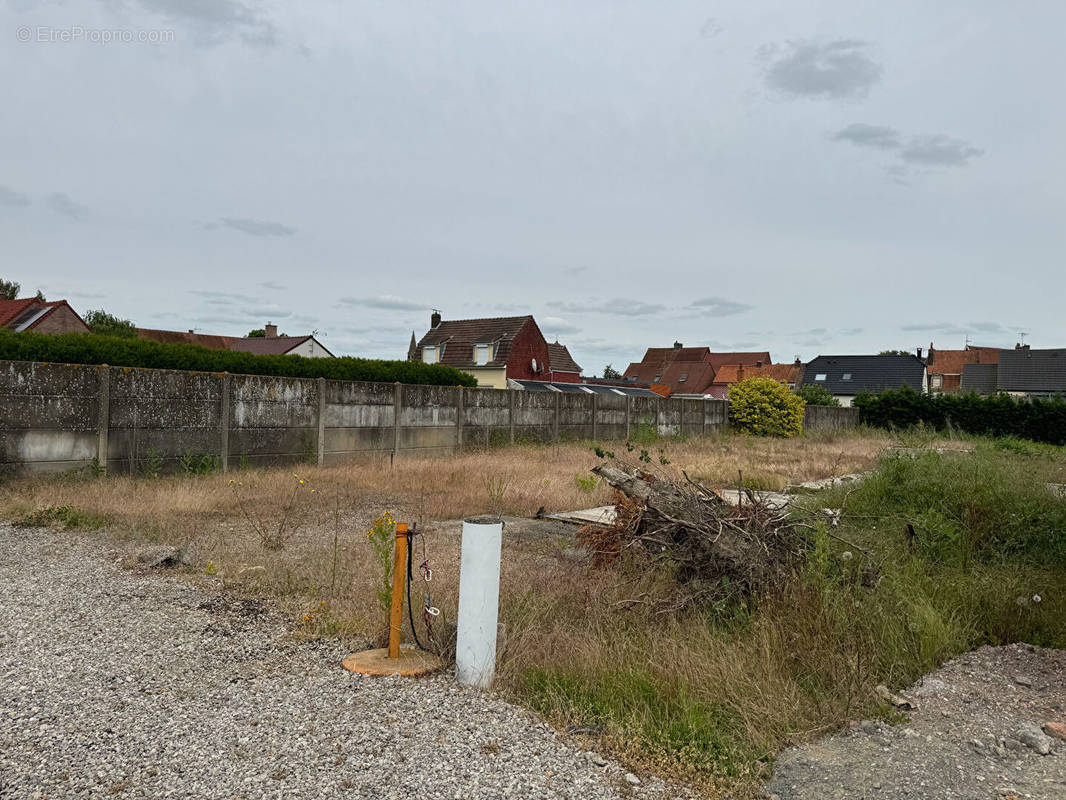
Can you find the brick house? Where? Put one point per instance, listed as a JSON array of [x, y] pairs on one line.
[[41, 316], [494, 350], [728, 374], [686, 370], [945, 367]]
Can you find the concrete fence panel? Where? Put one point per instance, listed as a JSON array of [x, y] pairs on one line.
[[58, 417], [829, 418]]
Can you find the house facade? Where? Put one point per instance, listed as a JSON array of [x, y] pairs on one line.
[[270, 344], [41, 316], [687, 370], [847, 376], [728, 374], [494, 350], [945, 367]]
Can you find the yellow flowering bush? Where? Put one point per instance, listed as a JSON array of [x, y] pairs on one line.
[[382, 536], [764, 407]]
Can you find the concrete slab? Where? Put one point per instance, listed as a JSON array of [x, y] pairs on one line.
[[601, 515], [772, 500], [825, 483]]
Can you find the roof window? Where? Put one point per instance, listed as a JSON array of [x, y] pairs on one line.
[[820, 376]]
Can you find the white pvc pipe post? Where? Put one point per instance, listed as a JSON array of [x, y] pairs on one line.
[[479, 601]]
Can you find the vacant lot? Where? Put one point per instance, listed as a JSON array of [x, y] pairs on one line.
[[709, 694]]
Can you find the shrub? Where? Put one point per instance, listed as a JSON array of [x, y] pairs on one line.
[[1038, 419], [764, 407], [77, 348], [109, 325], [817, 396]]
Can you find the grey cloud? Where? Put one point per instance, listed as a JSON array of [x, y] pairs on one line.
[[554, 326], [619, 305], [939, 150], [257, 227], [386, 302], [274, 285], [13, 199], [880, 136], [215, 21], [936, 150], [851, 331], [60, 203], [720, 306], [219, 298], [838, 70], [959, 328]]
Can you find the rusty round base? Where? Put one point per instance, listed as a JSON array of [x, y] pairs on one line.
[[377, 662]]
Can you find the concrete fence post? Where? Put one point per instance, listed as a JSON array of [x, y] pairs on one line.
[[595, 410], [629, 413], [511, 399], [703, 417], [555, 420], [459, 421], [223, 421], [397, 414], [479, 601], [658, 414], [681, 423], [103, 420], [321, 384]]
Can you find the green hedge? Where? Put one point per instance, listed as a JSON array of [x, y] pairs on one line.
[[80, 348], [1038, 419]]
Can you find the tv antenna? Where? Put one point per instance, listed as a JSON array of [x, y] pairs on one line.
[[1021, 336]]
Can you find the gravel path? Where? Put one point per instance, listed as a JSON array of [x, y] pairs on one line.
[[975, 735], [114, 684]]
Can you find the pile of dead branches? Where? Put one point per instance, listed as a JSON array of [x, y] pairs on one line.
[[715, 548]]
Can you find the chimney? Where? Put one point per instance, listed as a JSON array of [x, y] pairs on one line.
[[929, 359], [192, 330], [271, 331], [678, 345], [434, 319], [797, 362], [919, 351]]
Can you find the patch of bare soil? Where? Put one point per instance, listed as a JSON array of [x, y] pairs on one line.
[[986, 725]]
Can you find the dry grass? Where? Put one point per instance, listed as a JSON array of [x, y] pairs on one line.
[[324, 577]]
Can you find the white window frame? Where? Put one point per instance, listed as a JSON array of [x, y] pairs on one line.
[[430, 355], [821, 376], [485, 348], [936, 381]]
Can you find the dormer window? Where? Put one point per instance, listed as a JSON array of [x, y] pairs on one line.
[[483, 353], [429, 355]]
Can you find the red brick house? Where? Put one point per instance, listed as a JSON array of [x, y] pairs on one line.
[[40, 316], [494, 350], [728, 374], [686, 370], [944, 367], [561, 365]]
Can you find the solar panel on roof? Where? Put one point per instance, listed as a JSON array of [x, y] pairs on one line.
[[570, 388], [534, 386]]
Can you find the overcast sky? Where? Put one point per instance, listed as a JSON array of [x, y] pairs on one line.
[[803, 177]]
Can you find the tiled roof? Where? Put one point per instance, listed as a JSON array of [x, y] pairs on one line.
[[207, 340], [10, 309], [27, 313], [980, 378], [460, 335], [950, 362], [785, 373], [697, 365], [865, 373], [560, 360], [270, 346], [1025, 370]]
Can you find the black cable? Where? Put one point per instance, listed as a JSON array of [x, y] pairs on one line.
[[410, 608]]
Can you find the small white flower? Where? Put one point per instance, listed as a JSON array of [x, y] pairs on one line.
[[846, 556], [1037, 598]]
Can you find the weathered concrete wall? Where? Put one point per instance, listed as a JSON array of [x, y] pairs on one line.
[[829, 418], [59, 417]]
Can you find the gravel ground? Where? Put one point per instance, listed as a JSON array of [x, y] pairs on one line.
[[117, 684], [966, 740]]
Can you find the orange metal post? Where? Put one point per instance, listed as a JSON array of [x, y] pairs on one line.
[[399, 575]]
